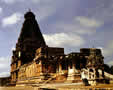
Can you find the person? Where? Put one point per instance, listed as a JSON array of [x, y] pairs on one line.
[[84, 77]]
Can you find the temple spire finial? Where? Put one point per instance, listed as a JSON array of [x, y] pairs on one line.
[[29, 15]]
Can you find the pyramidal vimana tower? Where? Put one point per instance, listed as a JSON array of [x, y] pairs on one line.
[[34, 62]]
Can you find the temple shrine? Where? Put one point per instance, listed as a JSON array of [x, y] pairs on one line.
[[34, 62]]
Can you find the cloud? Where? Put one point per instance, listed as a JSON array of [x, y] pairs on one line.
[[11, 1], [13, 19], [1, 10], [63, 40], [4, 66], [88, 22]]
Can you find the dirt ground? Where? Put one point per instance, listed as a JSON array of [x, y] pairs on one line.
[[62, 87], [79, 87]]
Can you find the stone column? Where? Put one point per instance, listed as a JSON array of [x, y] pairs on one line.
[[57, 68], [14, 65], [14, 76], [19, 63], [41, 71], [73, 67], [71, 73], [60, 68], [94, 74], [11, 67], [41, 66], [88, 74]]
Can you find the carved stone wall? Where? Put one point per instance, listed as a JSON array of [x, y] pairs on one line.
[[30, 70]]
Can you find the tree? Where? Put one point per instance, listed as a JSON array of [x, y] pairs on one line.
[[107, 68], [111, 69]]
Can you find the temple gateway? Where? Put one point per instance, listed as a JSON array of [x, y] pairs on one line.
[[34, 62]]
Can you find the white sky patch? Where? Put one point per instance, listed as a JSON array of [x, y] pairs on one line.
[[5, 66], [2, 65], [11, 1], [13, 19], [63, 40], [4, 74], [88, 22], [4, 62]]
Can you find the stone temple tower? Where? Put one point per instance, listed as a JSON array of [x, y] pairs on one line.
[[29, 40]]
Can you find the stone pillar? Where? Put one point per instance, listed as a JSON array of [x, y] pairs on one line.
[[57, 69], [19, 63], [71, 73], [41, 70], [41, 66], [94, 74], [60, 68], [75, 70], [11, 67], [88, 73], [14, 76], [73, 67], [14, 66]]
